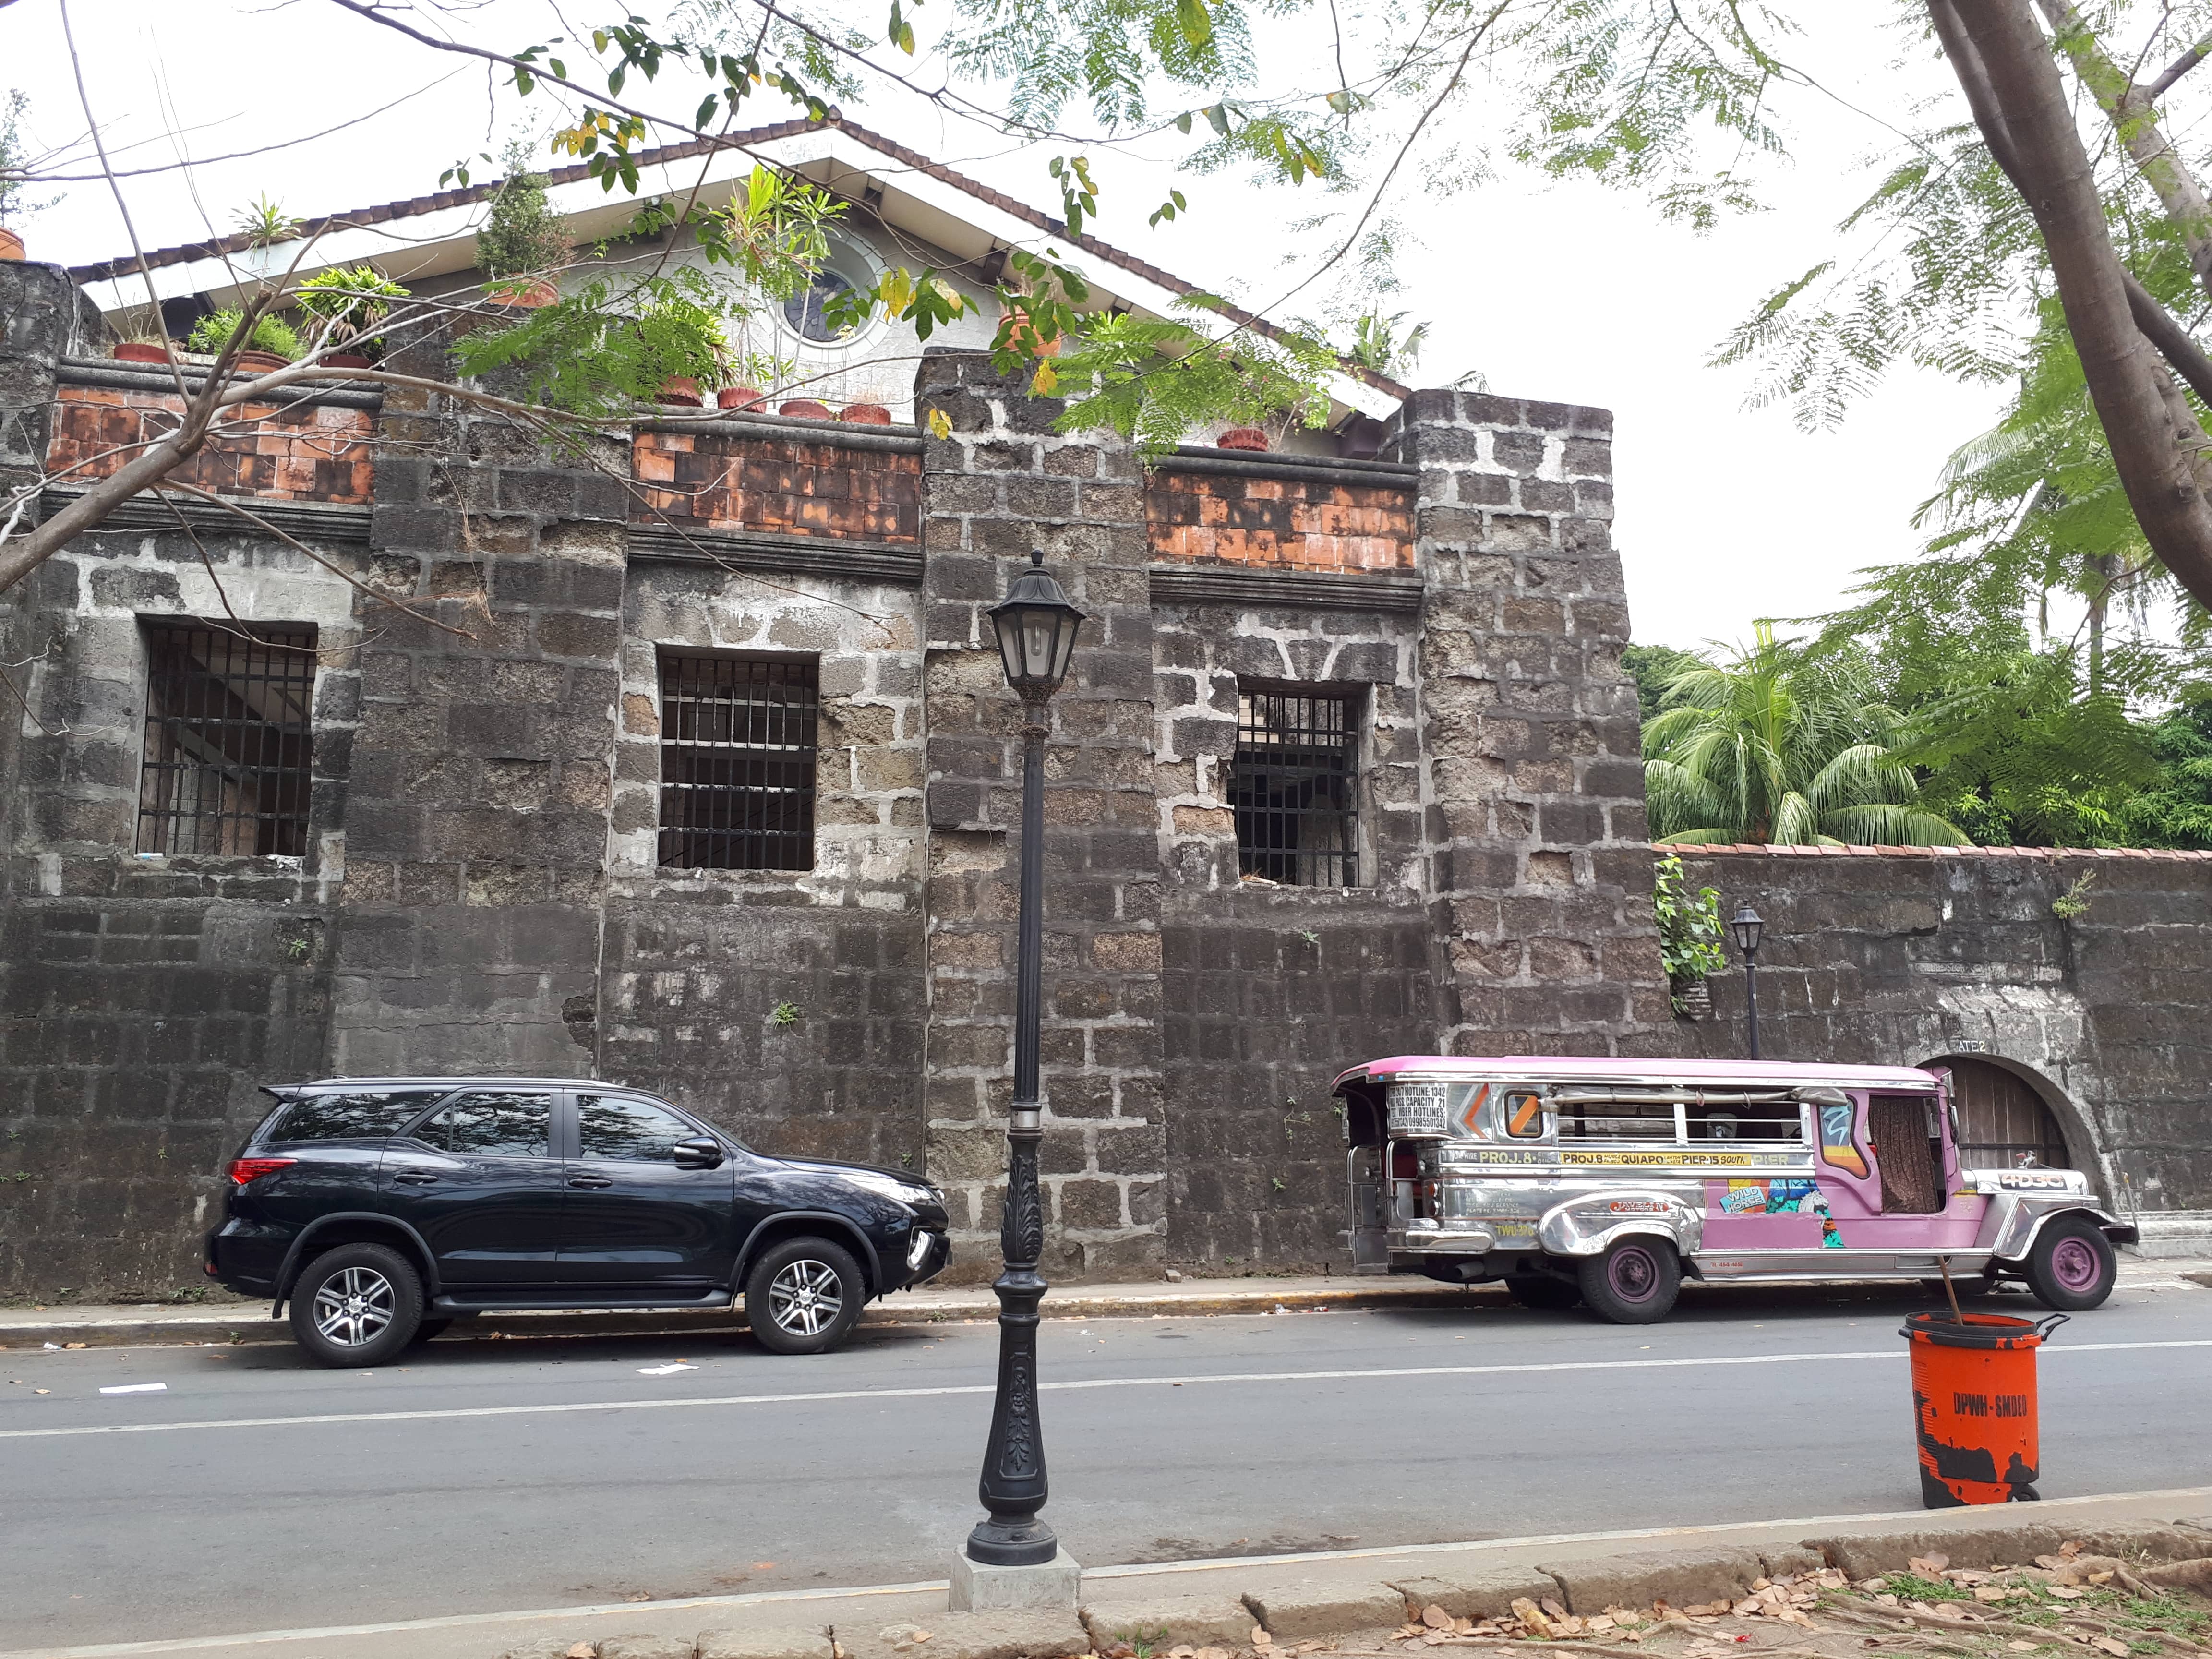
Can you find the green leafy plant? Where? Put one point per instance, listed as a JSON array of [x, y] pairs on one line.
[[522, 236], [786, 1014], [264, 222], [1689, 924], [14, 156], [272, 334], [2074, 902], [600, 351], [345, 307]]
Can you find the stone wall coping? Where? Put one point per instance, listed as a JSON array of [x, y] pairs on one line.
[[107, 373], [1240, 585], [1740, 848], [344, 521], [1321, 468], [812, 555], [896, 440]]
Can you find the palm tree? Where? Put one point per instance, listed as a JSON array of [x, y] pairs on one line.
[[1775, 747]]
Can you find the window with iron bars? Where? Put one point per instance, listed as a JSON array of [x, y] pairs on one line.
[[737, 763], [1295, 788], [230, 749]]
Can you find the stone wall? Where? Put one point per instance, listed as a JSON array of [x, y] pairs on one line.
[[1907, 955]]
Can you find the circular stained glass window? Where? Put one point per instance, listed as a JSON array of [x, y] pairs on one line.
[[805, 312]]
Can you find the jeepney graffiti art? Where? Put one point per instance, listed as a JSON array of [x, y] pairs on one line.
[[1837, 1145], [1770, 1197]]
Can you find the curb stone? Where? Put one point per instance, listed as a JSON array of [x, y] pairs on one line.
[[646, 1647], [771, 1642], [1169, 1621], [1681, 1577], [1476, 1595], [1302, 1610]]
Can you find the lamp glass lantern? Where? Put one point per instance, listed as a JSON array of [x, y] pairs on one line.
[[1746, 925], [1036, 626]]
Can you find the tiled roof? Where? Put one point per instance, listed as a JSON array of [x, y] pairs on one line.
[[2164, 853], [109, 270]]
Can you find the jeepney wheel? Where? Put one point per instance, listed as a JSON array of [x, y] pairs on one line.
[[1634, 1283], [2071, 1266], [1542, 1291]]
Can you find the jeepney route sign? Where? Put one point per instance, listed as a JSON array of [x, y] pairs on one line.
[[1681, 1159]]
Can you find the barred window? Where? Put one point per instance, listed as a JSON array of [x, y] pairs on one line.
[[1295, 788], [737, 763], [229, 748]]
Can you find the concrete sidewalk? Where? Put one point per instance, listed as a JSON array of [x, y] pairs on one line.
[[1339, 1590], [137, 1325]]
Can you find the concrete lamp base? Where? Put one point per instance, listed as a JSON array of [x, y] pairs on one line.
[[978, 1587]]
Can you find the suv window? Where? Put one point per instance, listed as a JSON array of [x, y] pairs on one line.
[[488, 1123], [350, 1116], [633, 1131]]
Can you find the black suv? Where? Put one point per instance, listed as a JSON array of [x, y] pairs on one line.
[[382, 1209]]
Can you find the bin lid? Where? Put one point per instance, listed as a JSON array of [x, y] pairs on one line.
[[1989, 1331]]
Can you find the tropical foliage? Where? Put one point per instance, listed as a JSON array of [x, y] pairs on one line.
[[1778, 747], [1689, 923]]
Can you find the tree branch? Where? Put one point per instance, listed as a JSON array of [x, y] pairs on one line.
[[2180, 67], [2026, 118]]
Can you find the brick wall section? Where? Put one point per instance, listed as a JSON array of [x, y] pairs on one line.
[[1002, 482], [1895, 954], [1282, 524], [1543, 882], [777, 484], [297, 453], [475, 823]]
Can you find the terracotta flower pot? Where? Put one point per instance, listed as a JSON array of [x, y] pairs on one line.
[[806, 408], [1025, 339], [746, 397], [346, 360], [141, 351], [257, 362], [11, 244], [865, 414], [522, 293], [681, 389], [1244, 437]]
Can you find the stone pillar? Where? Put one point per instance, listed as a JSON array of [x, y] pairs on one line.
[[43, 319], [476, 822], [1542, 877], [1003, 481]]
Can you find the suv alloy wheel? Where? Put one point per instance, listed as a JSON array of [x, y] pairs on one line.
[[804, 1296], [358, 1304]]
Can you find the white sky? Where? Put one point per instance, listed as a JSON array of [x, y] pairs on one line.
[[1563, 292]]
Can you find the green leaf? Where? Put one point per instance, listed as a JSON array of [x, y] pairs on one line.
[[1217, 116], [615, 82], [1182, 122], [558, 68], [1195, 22], [706, 110]]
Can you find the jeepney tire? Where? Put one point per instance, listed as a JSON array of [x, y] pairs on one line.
[[2071, 1266], [1635, 1282], [1542, 1291]]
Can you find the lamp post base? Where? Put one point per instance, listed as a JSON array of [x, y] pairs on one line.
[[979, 1586]]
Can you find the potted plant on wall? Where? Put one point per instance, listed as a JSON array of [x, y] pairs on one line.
[[344, 309], [1689, 937], [273, 345], [523, 239]]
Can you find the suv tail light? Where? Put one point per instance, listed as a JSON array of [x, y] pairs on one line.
[[243, 1170]]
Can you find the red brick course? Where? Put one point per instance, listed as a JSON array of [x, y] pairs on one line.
[[1282, 524], [712, 481], [315, 453]]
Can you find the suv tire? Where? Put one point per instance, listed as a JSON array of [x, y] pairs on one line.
[[358, 1304], [1634, 1283], [804, 1296], [2071, 1266]]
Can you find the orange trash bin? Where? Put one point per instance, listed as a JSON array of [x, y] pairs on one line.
[[1974, 1406]]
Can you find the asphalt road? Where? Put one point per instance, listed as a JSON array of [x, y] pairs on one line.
[[267, 1494]]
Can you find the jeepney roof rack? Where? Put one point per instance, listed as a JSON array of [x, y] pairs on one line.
[[1684, 1097]]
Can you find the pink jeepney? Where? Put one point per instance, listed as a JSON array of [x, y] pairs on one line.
[[1608, 1182]]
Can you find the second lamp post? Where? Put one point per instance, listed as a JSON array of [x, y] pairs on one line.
[[1037, 626], [1748, 925]]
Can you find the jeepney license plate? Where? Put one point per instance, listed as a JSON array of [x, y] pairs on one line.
[[1417, 1109]]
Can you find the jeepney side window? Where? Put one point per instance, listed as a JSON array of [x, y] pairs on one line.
[[1617, 1120], [1730, 1120], [1523, 1115]]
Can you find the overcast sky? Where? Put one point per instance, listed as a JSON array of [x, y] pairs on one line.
[[1562, 292]]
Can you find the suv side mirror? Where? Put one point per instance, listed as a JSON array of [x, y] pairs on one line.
[[699, 1153]]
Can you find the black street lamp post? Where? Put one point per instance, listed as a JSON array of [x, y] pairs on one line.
[[1748, 925], [1037, 628]]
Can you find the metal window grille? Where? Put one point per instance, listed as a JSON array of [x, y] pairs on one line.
[[1294, 788], [230, 746], [737, 763]]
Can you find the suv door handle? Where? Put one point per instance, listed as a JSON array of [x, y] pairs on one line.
[[589, 1181], [417, 1177]]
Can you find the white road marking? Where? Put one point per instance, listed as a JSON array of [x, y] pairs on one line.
[[631, 1609], [441, 1413]]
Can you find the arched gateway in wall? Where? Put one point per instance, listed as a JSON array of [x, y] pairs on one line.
[[2004, 1118]]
